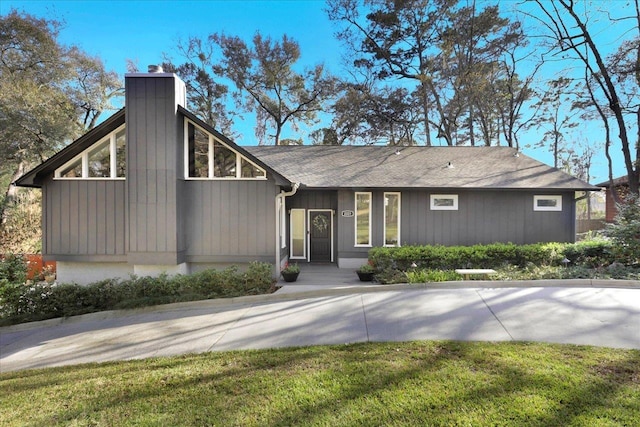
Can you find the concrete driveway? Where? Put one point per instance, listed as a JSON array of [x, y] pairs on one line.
[[594, 316]]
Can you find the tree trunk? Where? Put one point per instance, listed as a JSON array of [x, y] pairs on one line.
[[425, 111]]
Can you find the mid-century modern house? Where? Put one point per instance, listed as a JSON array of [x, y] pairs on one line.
[[155, 189], [620, 186]]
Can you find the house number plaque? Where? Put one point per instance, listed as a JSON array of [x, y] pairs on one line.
[[347, 214]]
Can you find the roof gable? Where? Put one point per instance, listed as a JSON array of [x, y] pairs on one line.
[[34, 176], [414, 167]]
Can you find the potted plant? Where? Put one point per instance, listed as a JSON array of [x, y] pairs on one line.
[[290, 272], [49, 273], [366, 272]]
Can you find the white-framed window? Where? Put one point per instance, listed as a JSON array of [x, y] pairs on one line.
[[205, 156], [392, 219], [106, 159], [547, 203], [363, 219], [444, 202], [297, 234]]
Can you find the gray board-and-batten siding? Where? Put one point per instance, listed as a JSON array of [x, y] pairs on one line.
[[154, 164], [229, 221], [483, 217]]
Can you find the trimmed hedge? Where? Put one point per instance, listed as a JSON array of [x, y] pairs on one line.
[[590, 254], [31, 302]]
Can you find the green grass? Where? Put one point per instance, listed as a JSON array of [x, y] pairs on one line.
[[390, 384]]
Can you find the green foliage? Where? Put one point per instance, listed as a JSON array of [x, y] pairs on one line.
[[291, 268], [478, 256], [21, 303], [13, 274], [424, 276], [367, 268], [588, 253], [266, 75], [625, 231], [13, 269], [419, 264]]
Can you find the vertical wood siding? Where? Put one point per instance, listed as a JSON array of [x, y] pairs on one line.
[[153, 159], [229, 218], [84, 217], [483, 217]]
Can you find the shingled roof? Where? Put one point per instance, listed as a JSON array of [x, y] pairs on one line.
[[414, 167]]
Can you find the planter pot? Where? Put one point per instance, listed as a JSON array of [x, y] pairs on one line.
[[290, 277], [365, 277]]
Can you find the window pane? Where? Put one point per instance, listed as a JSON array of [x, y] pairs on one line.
[[547, 203], [73, 171], [198, 153], [550, 203], [249, 170], [297, 233], [363, 210], [444, 202], [391, 219], [121, 156], [224, 165], [100, 161]]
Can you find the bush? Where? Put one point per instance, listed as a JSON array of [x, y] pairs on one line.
[[44, 301], [419, 264], [424, 276], [13, 269], [478, 256], [625, 231], [589, 253]]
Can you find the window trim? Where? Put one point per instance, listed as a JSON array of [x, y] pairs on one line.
[[556, 197], [384, 235], [433, 197], [84, 159], [356, 244], [304, 233], [211, 158]]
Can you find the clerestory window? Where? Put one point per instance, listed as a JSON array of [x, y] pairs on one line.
[[208, 157], [106, 159]]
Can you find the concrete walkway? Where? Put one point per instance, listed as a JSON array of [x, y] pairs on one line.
[[598, 316]]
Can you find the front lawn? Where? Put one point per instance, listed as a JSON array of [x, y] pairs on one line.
[[373, 384]]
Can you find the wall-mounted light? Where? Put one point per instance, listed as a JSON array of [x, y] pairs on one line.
[[450, 165]]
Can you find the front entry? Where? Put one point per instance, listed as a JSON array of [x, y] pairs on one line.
[[320, 235]]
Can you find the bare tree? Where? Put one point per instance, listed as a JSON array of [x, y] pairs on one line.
[[570, 33]]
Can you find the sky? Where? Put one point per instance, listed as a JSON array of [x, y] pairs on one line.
[[145, 30]]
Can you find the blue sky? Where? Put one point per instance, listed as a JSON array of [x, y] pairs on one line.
[[144, 30]]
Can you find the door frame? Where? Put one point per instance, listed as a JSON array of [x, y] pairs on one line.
[[330, 211]]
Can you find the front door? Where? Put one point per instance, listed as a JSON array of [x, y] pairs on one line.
[[320, 235]]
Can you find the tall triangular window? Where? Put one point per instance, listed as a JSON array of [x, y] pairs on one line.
[[105, 159], [208, 157]]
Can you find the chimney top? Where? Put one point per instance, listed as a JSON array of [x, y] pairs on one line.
[[155, 69]]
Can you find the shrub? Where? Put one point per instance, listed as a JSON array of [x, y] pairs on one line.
[[13, 269], [478, 256], [589, 254], [424, 276], [43, 301], [625, 231]]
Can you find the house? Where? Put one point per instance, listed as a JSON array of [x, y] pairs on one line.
[[621, 187], [154, 189]]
